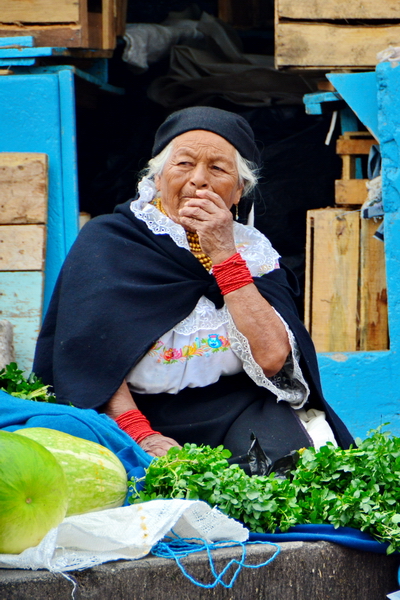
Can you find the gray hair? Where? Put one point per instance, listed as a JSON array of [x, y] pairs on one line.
[[247, 171]]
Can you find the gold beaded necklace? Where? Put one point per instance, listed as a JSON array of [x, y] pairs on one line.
[[192, 238]]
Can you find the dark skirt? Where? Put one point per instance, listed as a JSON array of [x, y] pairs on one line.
[[227, 412]]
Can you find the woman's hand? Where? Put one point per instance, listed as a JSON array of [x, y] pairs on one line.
[[158, 445], [209, 216]]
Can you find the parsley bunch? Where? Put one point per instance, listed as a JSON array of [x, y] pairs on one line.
[[14, 382], [358, 487]]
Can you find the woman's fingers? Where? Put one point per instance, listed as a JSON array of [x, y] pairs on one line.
[[157, 444]]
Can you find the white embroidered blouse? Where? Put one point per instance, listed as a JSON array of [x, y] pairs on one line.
[[206, 345]]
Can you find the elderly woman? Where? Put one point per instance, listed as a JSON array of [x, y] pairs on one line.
[[176, 320]]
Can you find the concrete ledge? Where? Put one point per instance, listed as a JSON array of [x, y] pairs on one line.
[[302, 571]]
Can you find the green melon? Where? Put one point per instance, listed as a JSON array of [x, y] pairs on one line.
[[33, 493], [96, 478]]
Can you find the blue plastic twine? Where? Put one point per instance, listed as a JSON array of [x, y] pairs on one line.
[[178, 547]]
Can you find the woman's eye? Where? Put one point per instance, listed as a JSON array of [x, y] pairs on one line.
[[184, 163], [216, 168]]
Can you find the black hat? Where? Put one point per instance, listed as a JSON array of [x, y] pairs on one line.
[[228, 125]]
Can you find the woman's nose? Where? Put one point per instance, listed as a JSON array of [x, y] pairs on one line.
[[199, 177]]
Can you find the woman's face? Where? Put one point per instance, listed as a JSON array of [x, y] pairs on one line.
[[200, 160]]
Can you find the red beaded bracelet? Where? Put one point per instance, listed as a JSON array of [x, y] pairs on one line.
[[135, 424], [232, 274]]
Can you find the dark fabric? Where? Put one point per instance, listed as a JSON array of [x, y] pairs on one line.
[[120, 289], [228, 125], [227, 412]]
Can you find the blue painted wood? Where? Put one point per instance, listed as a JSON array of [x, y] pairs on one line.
[[21, 304], [364, 387], [348, 120], [359, 90], [20, 40], [313, 102], [31, 120]]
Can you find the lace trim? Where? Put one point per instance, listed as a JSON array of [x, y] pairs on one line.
[[289, 384], [204, 317], [255, 248]]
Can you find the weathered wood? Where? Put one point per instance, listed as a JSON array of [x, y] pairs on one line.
[[308, 271], [351, 191], [22, 247], [122, 7], [334, 279], [39, 11], [23, 187], [68, 36], [338, 9], [373, 292], [330, 46], [109, 24], [354, 146], [21, 304]]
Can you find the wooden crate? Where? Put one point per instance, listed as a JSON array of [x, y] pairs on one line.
[[70, 24], [329, 34], [345, 290], [23, 218]]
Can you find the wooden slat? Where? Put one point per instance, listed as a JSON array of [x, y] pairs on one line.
[[122, 7], [39, 11], [308, 271], [351, 146], [58, 36], [338, 9], [109, 24], [23, 187], [22, 247], [373, 292], [330, 46], [334, 280], [21, 303], [351, 191]]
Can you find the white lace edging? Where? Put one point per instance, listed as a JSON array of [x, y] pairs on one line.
[[289, 384], [204, 317]]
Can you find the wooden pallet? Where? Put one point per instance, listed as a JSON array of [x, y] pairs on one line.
[[70, 25], [23, 218], [331, 34], [345, 290]]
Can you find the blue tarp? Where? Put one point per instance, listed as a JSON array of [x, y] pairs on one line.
[[84, 423]]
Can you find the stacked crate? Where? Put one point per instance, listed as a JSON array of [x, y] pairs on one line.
[[23, 218], [334, 34], [345, 291], [66, 23]]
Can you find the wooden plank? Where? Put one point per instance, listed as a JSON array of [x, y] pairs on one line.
[[308, 270], [95, 30], [122, 8], [351, 191], [22, 247], [352, 146], [109, 24], [338, 9], [334, 280], [21, 296], [39, 11], [57, 36], [329, 46], [23, 187], [373, 291]]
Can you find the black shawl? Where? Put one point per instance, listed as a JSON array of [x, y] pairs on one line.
[[120, 289]]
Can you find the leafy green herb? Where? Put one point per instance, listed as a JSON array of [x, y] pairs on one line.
[[14, 382], [359, 487]]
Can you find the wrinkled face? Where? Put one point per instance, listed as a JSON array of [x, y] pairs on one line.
[[200, 160]]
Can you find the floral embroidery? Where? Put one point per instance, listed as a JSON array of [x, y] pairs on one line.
[[200, 347]]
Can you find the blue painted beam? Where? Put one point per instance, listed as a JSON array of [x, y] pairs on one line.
[[359, 90]]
